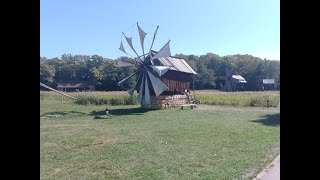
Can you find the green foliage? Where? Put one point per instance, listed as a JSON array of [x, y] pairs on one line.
[[210, 68], [47, 72]]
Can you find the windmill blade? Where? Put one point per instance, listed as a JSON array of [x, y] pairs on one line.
[[142, 35], [123, 50], [158, 86], [146, 92], [43, 85], [163, 52], [125, 79], [129, 41], [131, 91], [229, 86], [139, 97], [161, 70], [154, 36], [120, 64]]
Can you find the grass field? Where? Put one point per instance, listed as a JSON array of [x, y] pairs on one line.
[[210, 97], [241, 99], [209, 142]]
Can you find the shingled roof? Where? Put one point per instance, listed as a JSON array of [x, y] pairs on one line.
[[176, 64]]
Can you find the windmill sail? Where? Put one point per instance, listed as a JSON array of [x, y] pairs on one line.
[[43, 85], [119, 64], [142, 35], [123, 50], [158, 86], [146, 92], [131, 91], [139, 97], [161, 70], [163, 52], [129, 41], [154, 36], [125, 79]]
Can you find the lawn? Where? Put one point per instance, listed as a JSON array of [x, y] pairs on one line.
[[208, 142]]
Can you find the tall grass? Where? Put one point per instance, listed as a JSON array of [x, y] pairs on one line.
[[107, 100], [113, 98], [252, 98]]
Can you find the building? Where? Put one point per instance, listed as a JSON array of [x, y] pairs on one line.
[[74, 86], [268, 84]]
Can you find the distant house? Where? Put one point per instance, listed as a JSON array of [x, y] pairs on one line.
[[74, 86], [268, 84]]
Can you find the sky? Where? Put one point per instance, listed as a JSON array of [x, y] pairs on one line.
[[198, 27]]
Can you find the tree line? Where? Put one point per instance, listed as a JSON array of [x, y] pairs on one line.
[[210, 68]]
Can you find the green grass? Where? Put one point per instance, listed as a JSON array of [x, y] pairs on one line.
[[208, 142]]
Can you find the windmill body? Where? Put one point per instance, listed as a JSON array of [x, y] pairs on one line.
[[160, 76]]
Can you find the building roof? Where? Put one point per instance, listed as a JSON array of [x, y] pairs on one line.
[[176, 64], [75, 84], [240, 78], [70, 86]]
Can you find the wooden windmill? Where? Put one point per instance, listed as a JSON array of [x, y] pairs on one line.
[[232, 81], [158, 73]]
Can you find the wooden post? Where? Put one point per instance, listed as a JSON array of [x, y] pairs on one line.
[[194, 95]]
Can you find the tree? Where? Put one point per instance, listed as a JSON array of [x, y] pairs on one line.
[[47, 72]]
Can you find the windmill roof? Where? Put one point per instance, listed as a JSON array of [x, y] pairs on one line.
[[240, 78], [177, 64]]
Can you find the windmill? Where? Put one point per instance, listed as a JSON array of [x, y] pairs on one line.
[[231, 81], [152, 67]]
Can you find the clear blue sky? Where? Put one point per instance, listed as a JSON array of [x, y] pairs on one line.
[[223, 27]]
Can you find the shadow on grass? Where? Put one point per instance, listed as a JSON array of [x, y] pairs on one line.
[[269, 120], [120, 112], [62, 113]]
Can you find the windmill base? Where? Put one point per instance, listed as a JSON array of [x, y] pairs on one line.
[[165, 101]]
